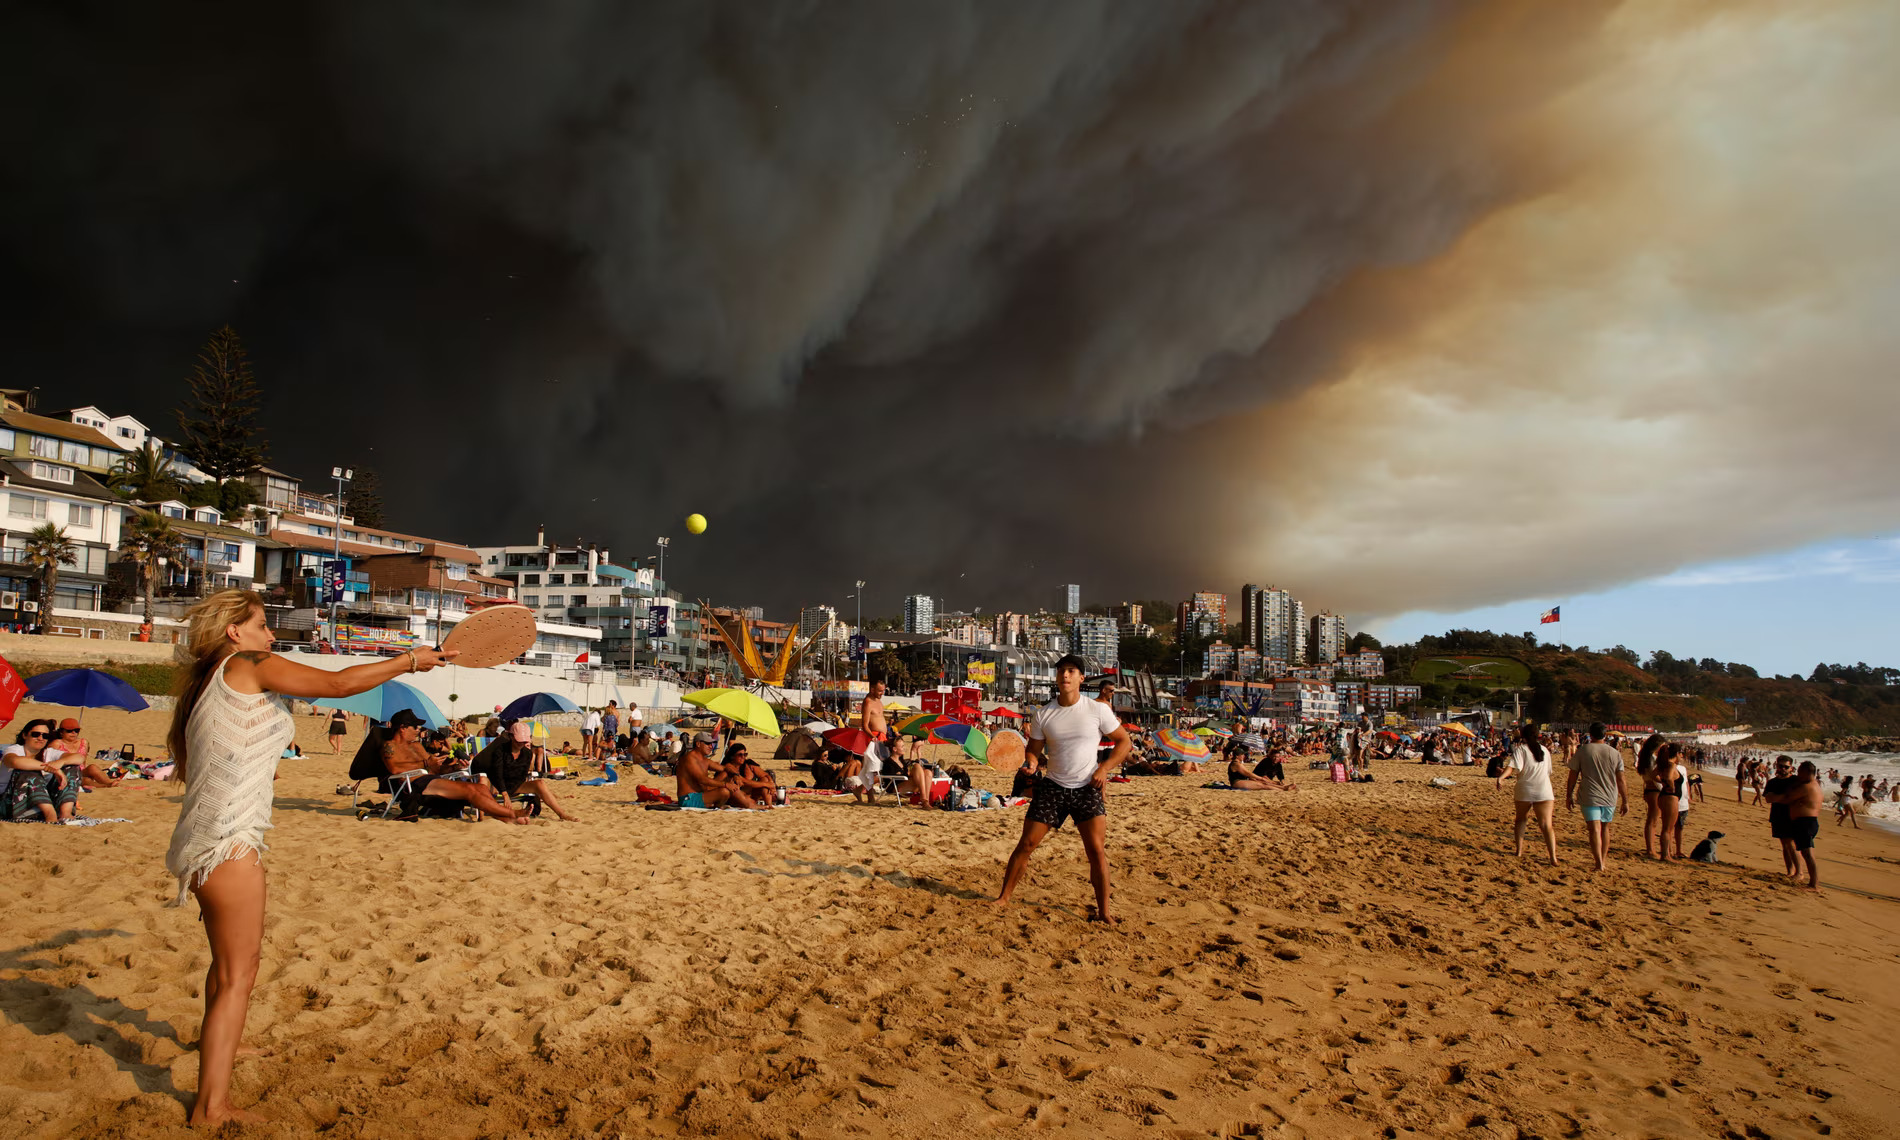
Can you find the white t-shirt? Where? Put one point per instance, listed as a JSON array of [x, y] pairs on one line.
[[48, 756], [1533, 775], [1071, 735], [591, 722]]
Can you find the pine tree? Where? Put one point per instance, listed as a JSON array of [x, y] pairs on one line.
[[364, 500], [219, 422]]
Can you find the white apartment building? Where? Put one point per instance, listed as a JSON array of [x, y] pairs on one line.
[[125, 432], [1327, 638], [38, 492], [920, 614], [1310, 702], [1274, 622]]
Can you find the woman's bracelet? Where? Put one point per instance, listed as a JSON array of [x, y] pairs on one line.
[[412, 661]]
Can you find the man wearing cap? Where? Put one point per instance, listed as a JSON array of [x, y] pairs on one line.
[[702, 784], [402, 752], [1066, 731], [508, 767]]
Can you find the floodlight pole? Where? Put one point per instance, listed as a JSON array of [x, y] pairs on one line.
[[342, 475]]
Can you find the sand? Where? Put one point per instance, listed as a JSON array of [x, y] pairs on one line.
[[1354, 961]]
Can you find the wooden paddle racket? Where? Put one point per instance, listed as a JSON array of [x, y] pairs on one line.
[[1008, 751], [494, 636]]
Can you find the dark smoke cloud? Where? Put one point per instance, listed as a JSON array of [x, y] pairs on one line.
[[965, 299]]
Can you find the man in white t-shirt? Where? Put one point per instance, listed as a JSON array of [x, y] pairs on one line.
[[1063, 736]]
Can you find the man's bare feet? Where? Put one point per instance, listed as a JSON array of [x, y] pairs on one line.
[[227, 1115], [1000, 903], [1108, 919]]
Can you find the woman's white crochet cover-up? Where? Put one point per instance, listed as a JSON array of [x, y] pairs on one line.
[[234, 741]]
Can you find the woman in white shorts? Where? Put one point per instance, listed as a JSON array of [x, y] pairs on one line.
[[1530, 768]]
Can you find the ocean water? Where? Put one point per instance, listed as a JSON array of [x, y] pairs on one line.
[[1879, 765]]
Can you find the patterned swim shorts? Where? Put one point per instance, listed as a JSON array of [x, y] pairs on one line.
[[1051, 803]]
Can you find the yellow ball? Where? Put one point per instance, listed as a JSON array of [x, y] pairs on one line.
[[696, 524]]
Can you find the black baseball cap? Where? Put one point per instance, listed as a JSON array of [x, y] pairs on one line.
[[405, 718], [1071, 661]]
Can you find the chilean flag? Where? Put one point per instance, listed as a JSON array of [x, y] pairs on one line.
[[1550, 615]]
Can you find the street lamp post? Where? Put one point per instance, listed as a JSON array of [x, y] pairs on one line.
[[342, 475], [867, 641], [660, 582]]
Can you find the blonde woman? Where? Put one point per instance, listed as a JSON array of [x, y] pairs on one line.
[[228, 731], [1536, 796]]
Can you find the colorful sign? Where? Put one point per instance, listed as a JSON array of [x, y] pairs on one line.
[[932, 700], [369, 639], [981, 672]]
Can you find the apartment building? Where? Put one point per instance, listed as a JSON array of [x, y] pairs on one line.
[[1366, 664], [1205, 614], [1273, 621], [38, 492], [920, 614], [1219, 657], [1095, 637], [1326, 638]]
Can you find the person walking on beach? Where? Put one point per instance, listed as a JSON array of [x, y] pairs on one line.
[[1803, 799], [1844, 803], [227, 732], [871, 713], [1066, 731], [1529, 767], [1596, 782], [339, 724]]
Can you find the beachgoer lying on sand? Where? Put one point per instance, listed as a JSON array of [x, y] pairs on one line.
[[701, 783], [402, 752], [1243, 778], [507, 766]]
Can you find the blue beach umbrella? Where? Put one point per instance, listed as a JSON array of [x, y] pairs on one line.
[[534, 704], [385, 701], [84, 689]]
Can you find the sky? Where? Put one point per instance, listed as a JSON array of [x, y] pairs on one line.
[[1831, 602], [1407, 306]]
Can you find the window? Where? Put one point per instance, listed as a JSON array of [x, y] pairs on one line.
[[75, 453], [205, 515], [232, 551], [43, 446], [319, 531], [78, 514], [352, 536], [50, 472], [557, 579], [127, 433], [25, 506], [578, 600], [531, 579], [175, 512], [532, 600]]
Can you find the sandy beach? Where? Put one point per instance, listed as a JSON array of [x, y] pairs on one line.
[[1351, 961]]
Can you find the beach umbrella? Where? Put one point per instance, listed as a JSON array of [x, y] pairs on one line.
[[538, 732], [385, 701], [819, 727], [1460, 729], [84, 689], [975, 744], [1252, 741], [534, 704], [1181, 745], [919, 725], [852, 740], [12, 690], [999, 710], [1203, 730], [747, 708]]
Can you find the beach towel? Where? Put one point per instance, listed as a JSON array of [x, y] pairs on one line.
[[612, 777], [87, 821]]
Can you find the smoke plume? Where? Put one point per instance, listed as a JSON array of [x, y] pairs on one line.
[[1397, 304]]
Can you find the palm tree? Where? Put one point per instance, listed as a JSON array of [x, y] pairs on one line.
[[144, 475], [48, 548], [150, 536]]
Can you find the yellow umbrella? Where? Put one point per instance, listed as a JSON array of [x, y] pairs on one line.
[[539, 731], [1454, 726], [747, 708]]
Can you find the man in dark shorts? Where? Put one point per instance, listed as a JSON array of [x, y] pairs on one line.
[[1803, 798], [1778, 784], [508, 766], [1067, 731]]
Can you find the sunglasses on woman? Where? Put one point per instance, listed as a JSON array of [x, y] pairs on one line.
[[36, 736]]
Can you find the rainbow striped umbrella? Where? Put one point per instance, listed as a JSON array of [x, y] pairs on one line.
[[975, 745], [1181, 745], [919, 725]]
